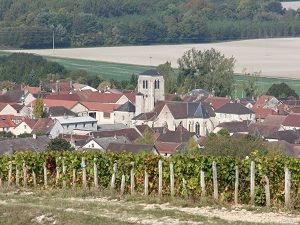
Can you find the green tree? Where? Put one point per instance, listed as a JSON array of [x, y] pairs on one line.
[[208, 70], [282, 90], [146, 138], [169, 77], [38, 108], [250, 87], [192, 147], [59, 144]]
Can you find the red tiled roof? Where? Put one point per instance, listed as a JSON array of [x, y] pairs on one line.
[[275, 120], [66, 97], [83, 95], [131, 96], [63, 86], [7, 121], [104, 97], [54, 102], [292, 120], [75, 137], [32, 90], [166, 147], [217, 102], [261, 102], [262, 113], [43, 125], [30, 122], [101, 107], [3, 105]]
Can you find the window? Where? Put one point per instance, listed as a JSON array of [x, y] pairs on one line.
[[25, 127], [144, 84], [189, 127], [93, 124], [197, 128], [93, 146], [106, 115], [67, 126], [84, 125], [76, 125], [157, 84]]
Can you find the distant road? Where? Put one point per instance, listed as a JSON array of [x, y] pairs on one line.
[[277, 57]]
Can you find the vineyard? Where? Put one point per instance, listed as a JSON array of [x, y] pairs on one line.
[[114, 172]]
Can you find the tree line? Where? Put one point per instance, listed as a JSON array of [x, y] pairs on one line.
[[134, 22]]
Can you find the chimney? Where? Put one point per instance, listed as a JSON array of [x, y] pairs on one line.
[[71, 84], [34, 136], [4, 91]]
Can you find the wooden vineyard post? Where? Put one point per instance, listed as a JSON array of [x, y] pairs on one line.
[[236, 186], [34, 178], [146, 184], [24, 175], [17, 176], [215, 180], [9, 173], [267, 190], [184, 187], [45, 175], [113, 179], [160, 178], [172, 179], [57, 176], [202, 183], [252, 182], [83, 167], [132, 179], [64, 168], [287, 187], [74, 179], [96, 183], [122, 184]]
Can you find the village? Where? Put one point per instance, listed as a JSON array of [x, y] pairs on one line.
[[112, 120]]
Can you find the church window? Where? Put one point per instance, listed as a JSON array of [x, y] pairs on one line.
[[197, 128]]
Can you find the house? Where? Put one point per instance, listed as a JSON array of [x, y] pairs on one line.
[[291, 122], [233, 112], [102, 112], [59, 112], [48, 127], [76, 140], [171, 142], [234, 127], [14, 109], [124, 113], [102, 143], [35, 143], [107, 98], [130, 133], [196, 95], [290, 136], [25, 126], [217, 102], [80, 123], [83, 87], [264, 106], [22, 97], [9, 122], [129, 148], [59, 86]]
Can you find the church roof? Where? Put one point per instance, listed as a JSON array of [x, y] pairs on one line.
[[151, 72]]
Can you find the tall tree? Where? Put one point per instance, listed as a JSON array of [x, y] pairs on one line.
[[38, 108], [207, 69], [169, 76]]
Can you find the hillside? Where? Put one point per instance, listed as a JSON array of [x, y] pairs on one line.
[[137, 22]]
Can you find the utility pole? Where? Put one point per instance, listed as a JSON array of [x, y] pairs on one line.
[[53, 42]]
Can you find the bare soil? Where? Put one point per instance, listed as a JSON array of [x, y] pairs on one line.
[[276, 57]]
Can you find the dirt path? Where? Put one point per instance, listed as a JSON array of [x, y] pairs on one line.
[[134, 212]]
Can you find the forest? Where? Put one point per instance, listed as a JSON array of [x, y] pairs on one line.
[[83, 23]]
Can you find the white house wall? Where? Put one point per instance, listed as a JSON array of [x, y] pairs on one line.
[[123, 117], [21, 129]]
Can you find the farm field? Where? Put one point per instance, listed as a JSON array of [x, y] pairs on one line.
[[277, 59]]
